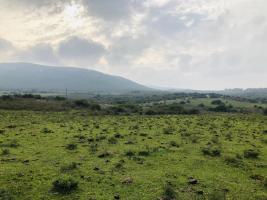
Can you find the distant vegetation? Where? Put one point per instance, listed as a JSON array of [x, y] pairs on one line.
[[141, 104]]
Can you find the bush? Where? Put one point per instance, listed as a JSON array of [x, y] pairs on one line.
[[5, 152], [118, 135], [220, 108], [233, 161], [69, 167], [5, 195], [168, 130], [104, 154], [81, 103], [217, 102], [150, 112], [215, 152], [217, 195], [59, 98], [129, 153], [7, 97], [94, 106], [13, 143], [71, 146], [46, 130], [112, 140], [143, 153], [174, 144], [201, 105], [251, 153], [169, 193], [193, 111], [65, 185], [265, 111], [265, 182]]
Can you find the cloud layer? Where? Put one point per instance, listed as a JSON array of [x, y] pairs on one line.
[[201, 44]]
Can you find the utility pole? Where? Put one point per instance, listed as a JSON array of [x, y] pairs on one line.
[[66, 93]]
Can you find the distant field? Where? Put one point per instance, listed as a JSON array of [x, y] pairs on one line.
[[213, 156], [207, 102]]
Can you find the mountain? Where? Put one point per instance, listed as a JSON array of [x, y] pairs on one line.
[[28, 76]]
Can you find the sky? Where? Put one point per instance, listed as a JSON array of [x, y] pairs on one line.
[[189, 44]]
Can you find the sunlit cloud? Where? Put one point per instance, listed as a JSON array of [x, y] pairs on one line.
[[177, 43]]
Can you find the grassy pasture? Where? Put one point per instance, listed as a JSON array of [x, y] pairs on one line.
[[212, 156]]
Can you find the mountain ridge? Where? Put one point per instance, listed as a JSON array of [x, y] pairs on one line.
[[43, 77]]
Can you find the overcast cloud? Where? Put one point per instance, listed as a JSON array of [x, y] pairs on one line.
[[198, 44]]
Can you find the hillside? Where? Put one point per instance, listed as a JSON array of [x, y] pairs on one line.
[[28, 76]]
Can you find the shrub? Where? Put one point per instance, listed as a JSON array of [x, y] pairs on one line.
[[81, 103], [13, 143], [81, 138], [71, 146], [265, 182], [217, 102], [251, 153], [5, 152], [215, 140], [5, 195], [233, 161], [220, 108], [194, 138], [174, 144], [118, 135], [150, 112], [69, 167], [7, 97], [104, 154], [95, 107], [217, 195], [168, 131], [119, 166], [193, 111], [215, 152], [129, 153], [59, 98], [46, 130], [11, 126], [143, 153], [65, 185], [101, 137], [169, 193], [201, 105], [94, 148], [112, 140]]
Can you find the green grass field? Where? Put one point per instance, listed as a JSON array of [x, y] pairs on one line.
[[132, 157]]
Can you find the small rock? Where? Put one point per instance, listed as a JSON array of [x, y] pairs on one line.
[[127, 180], [192, 181], [116, 196]]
